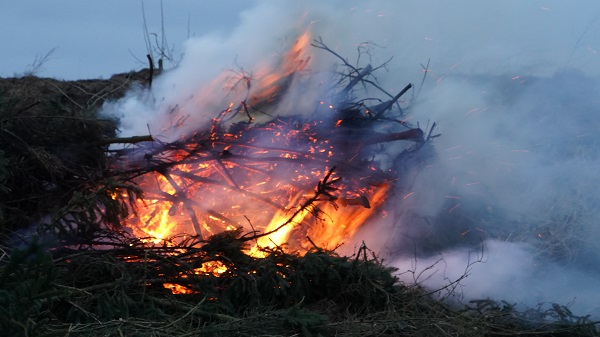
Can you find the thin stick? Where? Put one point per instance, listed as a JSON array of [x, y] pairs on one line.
[[412, 134], [391, 102], [361, 74], [323, 188], [181, 194], [128, 140], [425, 71], [151, 75]]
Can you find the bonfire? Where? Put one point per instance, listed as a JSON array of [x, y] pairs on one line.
[[291, 180], [251, 169], [232, 226]]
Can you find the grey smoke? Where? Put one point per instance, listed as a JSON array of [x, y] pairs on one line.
[[517, 170]]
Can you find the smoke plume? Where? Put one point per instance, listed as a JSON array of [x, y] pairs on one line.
[[512, 87]]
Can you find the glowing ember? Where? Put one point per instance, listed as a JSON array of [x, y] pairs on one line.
[[177, 289], [211, 268]]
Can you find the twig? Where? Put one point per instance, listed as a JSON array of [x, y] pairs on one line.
[[186, 314], [203, 180], [425, 71], [318, 43], [412, 134], [127, 140], [311, 242], [151, 75], [27, 107], [359, 77], [391, 102], [323, 188], [430, 136], [65, 95], [181, 194]]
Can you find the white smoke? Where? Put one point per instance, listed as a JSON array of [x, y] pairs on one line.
[[264, 33], [512, 86]]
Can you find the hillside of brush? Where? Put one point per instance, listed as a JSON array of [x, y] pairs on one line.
[[51, 142], [57, 204]]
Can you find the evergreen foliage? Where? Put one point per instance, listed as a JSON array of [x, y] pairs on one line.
[[51, 144], [119, 291]]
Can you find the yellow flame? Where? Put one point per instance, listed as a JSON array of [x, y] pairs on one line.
[[178, 289], [279, 237]]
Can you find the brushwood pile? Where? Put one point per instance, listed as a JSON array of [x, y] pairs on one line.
[[69, 267]]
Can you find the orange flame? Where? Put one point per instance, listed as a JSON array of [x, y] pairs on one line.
[[270, 80]]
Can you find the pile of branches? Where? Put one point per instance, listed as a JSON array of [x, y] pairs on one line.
[[244, 142], [97, 280], [52, 143]]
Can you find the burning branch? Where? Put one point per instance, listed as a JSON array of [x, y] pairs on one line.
[[324, 188], [180, 194]]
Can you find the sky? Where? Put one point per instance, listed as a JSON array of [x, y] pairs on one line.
[[93, 39], [90, 39], [512, 86]]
